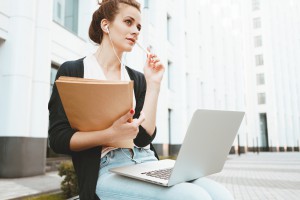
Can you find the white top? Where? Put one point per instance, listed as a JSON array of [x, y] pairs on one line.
[[93, 70]]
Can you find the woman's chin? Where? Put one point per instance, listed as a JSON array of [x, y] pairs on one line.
[[128, 49]]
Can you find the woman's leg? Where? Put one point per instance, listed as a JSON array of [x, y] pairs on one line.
[[215, 190], [112, 186]]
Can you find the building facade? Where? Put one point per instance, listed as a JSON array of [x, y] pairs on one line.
[[224, 55], [272, 74]]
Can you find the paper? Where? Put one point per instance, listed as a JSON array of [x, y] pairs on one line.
[[93, 105]]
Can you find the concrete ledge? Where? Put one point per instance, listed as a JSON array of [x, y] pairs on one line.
[[22, 156]]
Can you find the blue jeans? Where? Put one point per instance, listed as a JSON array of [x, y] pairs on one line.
[[111, 186]]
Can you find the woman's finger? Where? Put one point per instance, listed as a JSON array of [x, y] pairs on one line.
[[155, 60], [127, 117], [158, 65]]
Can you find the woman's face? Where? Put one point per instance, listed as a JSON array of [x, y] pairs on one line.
[[125, 29]]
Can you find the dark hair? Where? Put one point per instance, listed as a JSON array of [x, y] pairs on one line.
[[108, 10]]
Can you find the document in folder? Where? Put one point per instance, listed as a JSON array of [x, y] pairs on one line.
[[93, 105]]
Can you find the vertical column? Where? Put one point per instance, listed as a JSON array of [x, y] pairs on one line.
[[17, 148], [41, 71], [41, 84]]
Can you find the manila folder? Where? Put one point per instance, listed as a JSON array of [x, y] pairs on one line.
[[93, 105]]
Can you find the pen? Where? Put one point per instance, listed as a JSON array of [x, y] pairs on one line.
[[145, 50]]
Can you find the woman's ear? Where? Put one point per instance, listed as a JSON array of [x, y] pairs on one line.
[[104, 25]]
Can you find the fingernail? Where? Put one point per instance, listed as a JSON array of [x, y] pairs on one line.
[[131, 111]]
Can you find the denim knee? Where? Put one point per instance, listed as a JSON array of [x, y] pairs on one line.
[[216, 190], [185, 191]]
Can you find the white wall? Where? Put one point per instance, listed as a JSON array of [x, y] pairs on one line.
[[17, 60], [280, 35], [212, 55]]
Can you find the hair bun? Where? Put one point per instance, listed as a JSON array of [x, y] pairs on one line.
[[100, 2]]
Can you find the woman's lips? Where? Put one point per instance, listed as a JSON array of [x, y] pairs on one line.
[[131, 40]]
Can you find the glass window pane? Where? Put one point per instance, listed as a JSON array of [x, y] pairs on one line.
[[58, 11], [146, 3], [65, 12], [255, 5], [256, 23], [71, 15], [261, 98], [169, 27], [170, 75], [259, 60], [260, 79], [258, 41], [54, 69]]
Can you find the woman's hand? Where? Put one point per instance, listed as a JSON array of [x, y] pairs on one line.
[[154, 69], [122, 129]]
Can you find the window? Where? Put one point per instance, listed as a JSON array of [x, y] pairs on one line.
[[57, 11], [257, 23], [170, 73], [65, 12], [258, 41], [169, 27], [54, 69], [170, 118], [146, 3], [259, 60], [186, 44], [152, 9], [261, 98], [169, 121], [255, 5], [260, 79], [263, 130]]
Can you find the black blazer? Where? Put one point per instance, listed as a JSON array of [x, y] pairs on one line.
[[87, 162]]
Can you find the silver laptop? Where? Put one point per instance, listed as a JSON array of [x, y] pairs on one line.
[[204, 150]]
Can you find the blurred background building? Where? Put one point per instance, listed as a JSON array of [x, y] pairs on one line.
[[224, 55], [272, 41]]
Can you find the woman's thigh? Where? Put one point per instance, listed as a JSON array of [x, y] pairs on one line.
[[112, 186], [215, 190]]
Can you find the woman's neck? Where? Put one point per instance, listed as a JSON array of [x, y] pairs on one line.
[[107, 58]]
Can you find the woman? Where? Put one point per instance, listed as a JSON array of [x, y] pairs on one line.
[[115, 27]]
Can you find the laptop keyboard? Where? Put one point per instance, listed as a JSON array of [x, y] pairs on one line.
[[162, 173]]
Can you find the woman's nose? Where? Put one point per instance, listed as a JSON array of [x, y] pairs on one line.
[[135, 31]]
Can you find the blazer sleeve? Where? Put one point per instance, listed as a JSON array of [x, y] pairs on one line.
[[60, 131], [143, 138]]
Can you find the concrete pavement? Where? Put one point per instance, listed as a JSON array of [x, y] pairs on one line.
[[265, 176], [21, 187]]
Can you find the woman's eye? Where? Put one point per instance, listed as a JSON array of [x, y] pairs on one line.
[[128, 22]]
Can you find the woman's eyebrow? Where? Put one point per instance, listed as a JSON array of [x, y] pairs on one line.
[[130, 18], [133, 20]]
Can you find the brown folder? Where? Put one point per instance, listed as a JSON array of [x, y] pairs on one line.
[[93, 105]]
